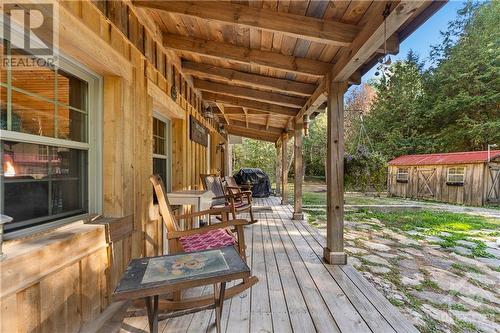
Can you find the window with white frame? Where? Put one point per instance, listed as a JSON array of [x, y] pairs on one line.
[[402, 175], [456, 175], [161, 149], [48, 147]]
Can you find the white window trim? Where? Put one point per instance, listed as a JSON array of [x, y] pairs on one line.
[[168, 148], [93, 146], [448, 174], [407, 173]]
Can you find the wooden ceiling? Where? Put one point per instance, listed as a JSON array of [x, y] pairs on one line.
[[262, 63]]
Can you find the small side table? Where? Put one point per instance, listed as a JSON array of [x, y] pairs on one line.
[[151, 277], [199, 199]]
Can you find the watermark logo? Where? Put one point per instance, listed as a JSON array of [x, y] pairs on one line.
[[30, 33]]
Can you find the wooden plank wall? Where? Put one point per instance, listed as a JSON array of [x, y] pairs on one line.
[[471, 193], [73, 294]]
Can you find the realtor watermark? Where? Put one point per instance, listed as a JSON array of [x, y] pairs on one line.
[[30, 33]]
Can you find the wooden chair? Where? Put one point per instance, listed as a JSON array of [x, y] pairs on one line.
[[228, 232], [227, 196]]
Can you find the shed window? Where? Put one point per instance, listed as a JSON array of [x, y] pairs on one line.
[[456, 176], [402, 175]]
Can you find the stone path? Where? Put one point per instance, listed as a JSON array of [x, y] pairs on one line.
[[439, 289]]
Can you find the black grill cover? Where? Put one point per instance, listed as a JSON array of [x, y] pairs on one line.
[[261, 186]]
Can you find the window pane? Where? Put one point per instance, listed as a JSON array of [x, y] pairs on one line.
[[32, 115], [3, 108], [39, 80], [160, 168], [3, 69], [71, 124], [71, 90], [42, 183]]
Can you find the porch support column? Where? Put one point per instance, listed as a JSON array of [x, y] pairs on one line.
[[334, 250], [297, 189], [284, 170], [278, 168]]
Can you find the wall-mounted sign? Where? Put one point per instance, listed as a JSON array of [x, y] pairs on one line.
[[197, 132]]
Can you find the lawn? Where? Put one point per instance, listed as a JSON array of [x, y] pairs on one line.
[[450, 227]]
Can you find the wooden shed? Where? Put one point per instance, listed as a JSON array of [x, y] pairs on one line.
[[466, 178]]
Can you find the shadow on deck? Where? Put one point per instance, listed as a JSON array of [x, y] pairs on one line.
[[297, 290]]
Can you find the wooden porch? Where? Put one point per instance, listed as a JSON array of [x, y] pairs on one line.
[[297, 290]]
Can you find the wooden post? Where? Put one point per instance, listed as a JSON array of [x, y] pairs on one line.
[[297, 189], [229, 159], [284, 170], [334, 250], [278, 168]]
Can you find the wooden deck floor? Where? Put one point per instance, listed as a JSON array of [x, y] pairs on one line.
[[297, 291]]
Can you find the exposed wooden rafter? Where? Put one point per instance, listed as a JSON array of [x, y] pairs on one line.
[[247, 103], [221, 109], [253, 126], [369, 39], [245, 55], [252, 133], [248, 79], [298, 26], [246, 116], [367, 42], [257, 95]]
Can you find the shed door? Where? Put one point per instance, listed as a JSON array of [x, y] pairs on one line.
[[426, 183], [493, 193]]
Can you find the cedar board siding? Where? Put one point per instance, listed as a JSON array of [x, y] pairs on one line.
[[472, 193], [62, 280]]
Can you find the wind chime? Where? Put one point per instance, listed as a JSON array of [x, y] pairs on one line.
[[384, 69]]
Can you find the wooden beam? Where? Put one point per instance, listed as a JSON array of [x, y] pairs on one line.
[[246, 116], [245, 55], [221, 108], [284, 169], [298, 26], [239, 110], [246, 103], [298, 172], [334, 250], [313, 102], [369, 39], [248, 79], [252, 134], [253, 126], [257, 95], [392, 45]]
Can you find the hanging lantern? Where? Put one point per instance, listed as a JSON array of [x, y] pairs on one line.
[[208, 112]]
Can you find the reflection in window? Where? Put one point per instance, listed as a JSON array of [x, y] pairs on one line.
[[42, 183]]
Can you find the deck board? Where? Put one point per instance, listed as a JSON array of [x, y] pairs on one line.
[[297, 290]]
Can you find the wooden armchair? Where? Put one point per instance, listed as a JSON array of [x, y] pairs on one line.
[[226, 233], [234, 198]]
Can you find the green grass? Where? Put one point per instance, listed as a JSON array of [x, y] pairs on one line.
[[436, 221]]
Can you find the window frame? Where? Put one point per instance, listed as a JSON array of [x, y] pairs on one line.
[[454, 182], [93, 145], [168, 148], [399, 173]]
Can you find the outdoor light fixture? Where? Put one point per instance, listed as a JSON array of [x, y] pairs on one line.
[[385, 62], [208, 112]]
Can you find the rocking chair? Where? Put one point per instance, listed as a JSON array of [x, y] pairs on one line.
[[209, 237], [227, 196]]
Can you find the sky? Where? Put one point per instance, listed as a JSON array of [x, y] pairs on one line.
[[425, 36]]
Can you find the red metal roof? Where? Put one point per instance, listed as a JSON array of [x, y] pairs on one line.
[[446, 158]]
